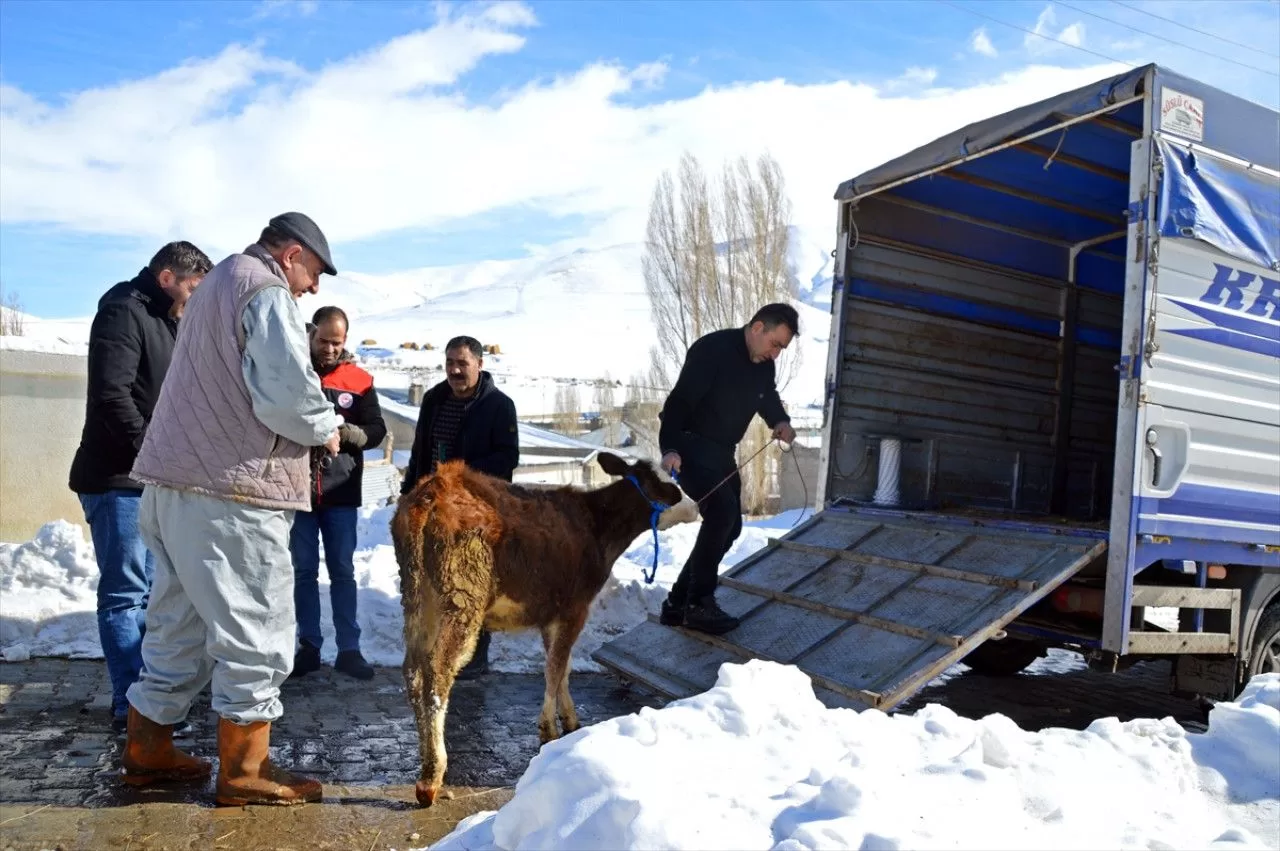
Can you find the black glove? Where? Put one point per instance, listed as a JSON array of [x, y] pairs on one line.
[[352, 435]]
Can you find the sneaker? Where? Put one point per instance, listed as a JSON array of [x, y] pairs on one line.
[[306, 660], [705, 615], [672, 613], [351, 663]]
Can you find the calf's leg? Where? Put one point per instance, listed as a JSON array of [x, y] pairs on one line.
[[421, 626], [558, 639], [566, 639], [455, 640]]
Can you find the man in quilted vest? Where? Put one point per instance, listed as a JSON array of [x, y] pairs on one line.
[[226, 462]]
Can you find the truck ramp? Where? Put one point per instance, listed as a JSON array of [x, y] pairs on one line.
[[871, 605]]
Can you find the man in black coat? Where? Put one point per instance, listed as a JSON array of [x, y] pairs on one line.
[[130, 344], [465, 416], [336, 496], [727, 379]]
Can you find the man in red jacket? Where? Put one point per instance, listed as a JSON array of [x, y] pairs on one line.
[[335, 498]]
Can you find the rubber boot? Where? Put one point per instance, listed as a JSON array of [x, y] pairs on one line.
[[150, 757], [246, 774]]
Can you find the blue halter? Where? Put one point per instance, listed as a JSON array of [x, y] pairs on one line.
[[658, 508]]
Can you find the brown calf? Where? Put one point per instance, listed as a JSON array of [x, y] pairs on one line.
[[478, 551]]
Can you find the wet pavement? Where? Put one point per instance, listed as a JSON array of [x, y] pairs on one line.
[[59, 760], [59, 757]]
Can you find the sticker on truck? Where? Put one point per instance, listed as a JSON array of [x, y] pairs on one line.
[[1182, 114]]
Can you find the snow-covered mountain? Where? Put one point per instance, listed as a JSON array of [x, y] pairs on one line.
[[558, 320], [572, 318]]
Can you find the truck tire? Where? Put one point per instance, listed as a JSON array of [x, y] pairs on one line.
[[1265, 655], [1003, 658]]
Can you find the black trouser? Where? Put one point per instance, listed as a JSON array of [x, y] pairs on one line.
[[721, 525]]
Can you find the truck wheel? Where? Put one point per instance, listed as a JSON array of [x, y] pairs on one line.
[[1265, 658], [1003, 658]]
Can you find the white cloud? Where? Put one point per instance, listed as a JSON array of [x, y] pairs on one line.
[[1126, 44], [1048, 39], [1072, 34], [385, 141], [980, 43], [284, 8], [920, 76]]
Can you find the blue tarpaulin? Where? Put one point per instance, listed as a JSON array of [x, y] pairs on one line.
[[1231, 124], [1228, 206]]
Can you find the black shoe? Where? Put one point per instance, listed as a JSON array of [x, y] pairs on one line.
[[672, 613], [705, 615], [351, 663], [479, 663], [306, 660]]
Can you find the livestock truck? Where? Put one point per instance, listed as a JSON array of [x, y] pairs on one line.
[[1052, 411]]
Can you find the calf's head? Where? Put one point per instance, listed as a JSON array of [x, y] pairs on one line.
[[656, 486]]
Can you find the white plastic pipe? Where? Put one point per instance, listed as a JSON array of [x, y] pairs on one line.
[[887, 483]]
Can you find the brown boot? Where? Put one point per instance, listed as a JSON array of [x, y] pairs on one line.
[[150, 757], [246, 774]]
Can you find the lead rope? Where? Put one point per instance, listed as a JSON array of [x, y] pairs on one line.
[[658, 507], [651, 573]]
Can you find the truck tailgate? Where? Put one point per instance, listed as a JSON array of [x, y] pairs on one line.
[[872, 605]]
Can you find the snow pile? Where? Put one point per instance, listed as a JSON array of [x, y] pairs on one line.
[[48, 595], [758, 762], [51, 336], [49, 591]]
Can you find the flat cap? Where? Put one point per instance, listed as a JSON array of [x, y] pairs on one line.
[[300, 227]]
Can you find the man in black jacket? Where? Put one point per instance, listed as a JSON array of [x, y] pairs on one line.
[[130, 344], [465, 416], [335, 498], [727, 378]]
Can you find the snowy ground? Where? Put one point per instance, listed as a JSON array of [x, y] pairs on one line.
[[49, 586], [758, 762]]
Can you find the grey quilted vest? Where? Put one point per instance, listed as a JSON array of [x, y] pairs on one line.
[[203, 436]]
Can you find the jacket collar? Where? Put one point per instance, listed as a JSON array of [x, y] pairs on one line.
[[263, 256], [345, 357], [146, 285], [443, 391]]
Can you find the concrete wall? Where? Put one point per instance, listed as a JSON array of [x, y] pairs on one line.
[[41, 414]]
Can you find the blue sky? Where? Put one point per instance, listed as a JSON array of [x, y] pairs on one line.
[[419, 134]]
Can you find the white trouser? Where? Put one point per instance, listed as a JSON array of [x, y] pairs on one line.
[[221, 607]]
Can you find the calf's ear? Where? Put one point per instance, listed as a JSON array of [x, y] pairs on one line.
[[612, 464]]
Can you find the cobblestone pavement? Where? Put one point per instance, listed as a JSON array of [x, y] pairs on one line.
[[58, 756]]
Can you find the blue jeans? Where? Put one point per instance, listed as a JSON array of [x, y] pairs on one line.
[[337, 526], [125, 571]]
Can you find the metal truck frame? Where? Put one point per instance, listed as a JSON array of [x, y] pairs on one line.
[[1057, 333]]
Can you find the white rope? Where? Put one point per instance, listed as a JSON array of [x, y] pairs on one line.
[[887, 492]]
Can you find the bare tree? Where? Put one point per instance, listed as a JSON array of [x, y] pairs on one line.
[[606, 406], [715, 253], [12, 319], [568, 410], [640, 411]]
